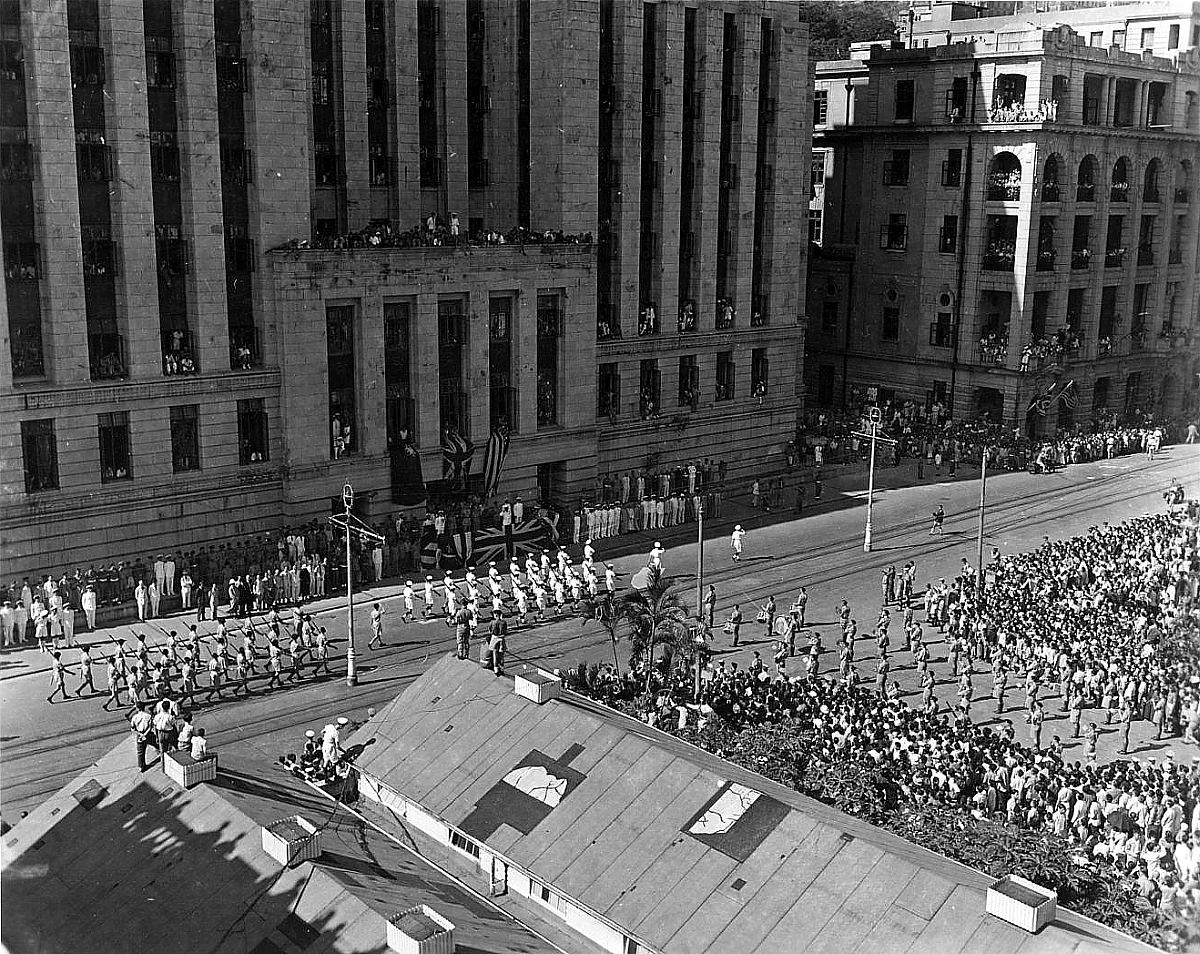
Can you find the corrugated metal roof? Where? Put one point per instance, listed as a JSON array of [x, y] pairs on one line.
[[679, 849]]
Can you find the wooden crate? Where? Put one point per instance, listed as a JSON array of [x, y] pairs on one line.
[[420, 930], [186, 771], [291, 840], [1023, 903], [536, 685]]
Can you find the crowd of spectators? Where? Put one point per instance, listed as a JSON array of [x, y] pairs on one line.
[[1110, 619], [434, 232]]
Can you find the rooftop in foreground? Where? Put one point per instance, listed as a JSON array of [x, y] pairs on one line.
[[676, 849], [120, 861]]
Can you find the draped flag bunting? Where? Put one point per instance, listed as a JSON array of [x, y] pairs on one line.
[[493, 460], [457, 452]]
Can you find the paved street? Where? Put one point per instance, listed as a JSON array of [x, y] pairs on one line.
[[43, 746]]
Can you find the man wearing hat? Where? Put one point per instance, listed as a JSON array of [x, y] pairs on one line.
[[736, 542]]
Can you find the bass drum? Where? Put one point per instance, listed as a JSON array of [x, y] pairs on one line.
[[782, 625]]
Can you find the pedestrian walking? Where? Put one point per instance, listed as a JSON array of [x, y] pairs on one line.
[[734, 625], [58, 675], [85, 671], [376, 627], [736, 542], [939, 517]]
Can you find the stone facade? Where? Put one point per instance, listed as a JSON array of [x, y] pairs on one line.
[[247, 175], [1043, 133]]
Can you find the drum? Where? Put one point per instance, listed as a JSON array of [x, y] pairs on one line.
[[782, 626]]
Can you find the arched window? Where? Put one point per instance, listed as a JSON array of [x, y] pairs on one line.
[[1191, 111], [1052, 179], [1183, 182], [1120, 181], [1085, 191], [1150, 191], [1004, 178]]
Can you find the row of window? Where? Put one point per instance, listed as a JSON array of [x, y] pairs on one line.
[[39, 445], [608, 402]]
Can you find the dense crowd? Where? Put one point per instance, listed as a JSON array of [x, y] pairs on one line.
[[1111, 620], [435, 232]]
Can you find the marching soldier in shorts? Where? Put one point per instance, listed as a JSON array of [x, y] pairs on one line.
[[58, 673]]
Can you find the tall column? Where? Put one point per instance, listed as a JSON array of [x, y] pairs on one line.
[[353, 62], [56, 192], [279, 133], [525, 345], [123, 35], [710, 43], [406, 140], [670, 183], [745, 154], [370, 375], [200, 181], [788, 241], [452, 103], [425, 370], [627, 151]]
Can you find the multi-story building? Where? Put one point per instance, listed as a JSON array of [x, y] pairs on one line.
[[195, 349], [1003, 214]]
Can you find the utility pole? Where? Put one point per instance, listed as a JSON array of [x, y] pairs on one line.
[[372, 536], [700, 560], [979, 541], [875, 416]]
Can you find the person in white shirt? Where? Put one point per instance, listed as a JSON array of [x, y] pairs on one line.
[[88, 603], [199, 745], [736, 542], [518, 511], [7, 623]]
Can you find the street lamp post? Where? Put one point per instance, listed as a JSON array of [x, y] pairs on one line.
[[875, 416], [979, 540], [351, 665], [700, 560], [346, 523]]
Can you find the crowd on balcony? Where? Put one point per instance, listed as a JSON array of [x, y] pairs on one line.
[[1051, 347], [1000, 252], [1045, 111], [993, 347], [1105, 627], [436, 232]]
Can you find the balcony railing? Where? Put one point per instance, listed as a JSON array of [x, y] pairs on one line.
[[179, 357], [726, 316], [1051, 192], [951, 174], [1119, 192], [1000, 258], [27, 359], [1114, 257], [1145, 254], [244, 351], [1045, 259], [991, 350], [107, 360], [895, 173], [1081, 258], [1183, 196], [1137, 338], [454, 416], [1151, 194], [1085, 192], [1003, 188]]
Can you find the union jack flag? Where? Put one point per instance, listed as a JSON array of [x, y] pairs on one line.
[[457, 452], [528, 536]]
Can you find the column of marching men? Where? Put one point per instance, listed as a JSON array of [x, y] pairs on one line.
[[280, 652]]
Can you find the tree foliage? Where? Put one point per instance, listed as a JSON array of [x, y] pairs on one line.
[[834, 26], [658, 621]]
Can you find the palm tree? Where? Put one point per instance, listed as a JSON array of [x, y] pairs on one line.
[[657, 617]]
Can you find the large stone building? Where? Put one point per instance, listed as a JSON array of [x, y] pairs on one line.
[[194, 350], [1005, 207]]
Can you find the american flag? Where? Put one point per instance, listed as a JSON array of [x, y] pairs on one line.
[[1069, 395]]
